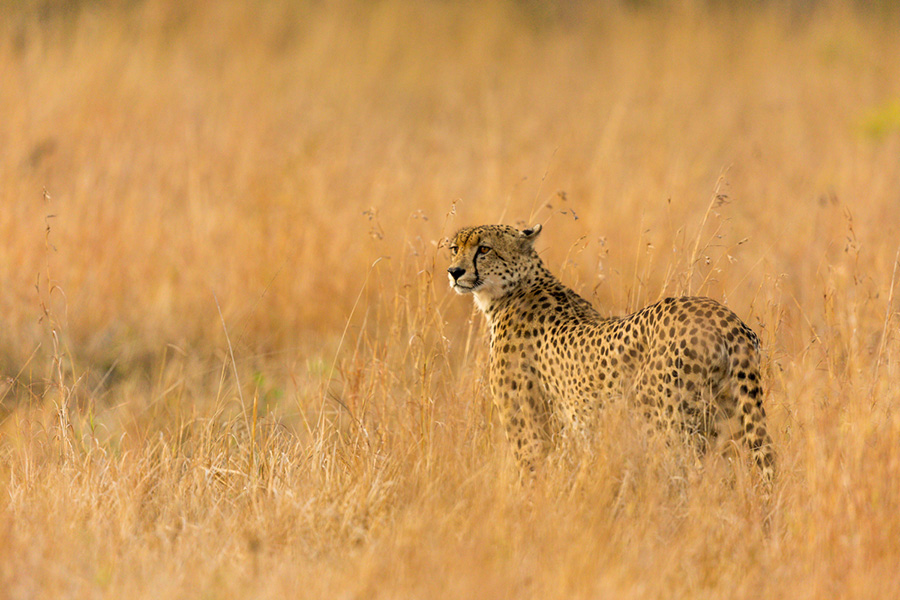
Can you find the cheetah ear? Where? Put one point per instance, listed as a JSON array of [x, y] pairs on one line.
[[529, 235]]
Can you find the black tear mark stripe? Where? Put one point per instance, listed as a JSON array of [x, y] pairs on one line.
[[475, 267]]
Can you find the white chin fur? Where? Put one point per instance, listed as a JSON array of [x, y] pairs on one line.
[[482, 301], [460, 287]]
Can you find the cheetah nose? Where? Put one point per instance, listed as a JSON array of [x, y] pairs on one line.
[[456, 272]]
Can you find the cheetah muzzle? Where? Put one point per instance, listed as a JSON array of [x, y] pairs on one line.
[[688, 361]]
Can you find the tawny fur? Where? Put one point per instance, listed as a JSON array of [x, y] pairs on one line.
[[687, 362]]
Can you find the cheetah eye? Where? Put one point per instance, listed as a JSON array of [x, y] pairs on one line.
[[454, 249], [484, 249]]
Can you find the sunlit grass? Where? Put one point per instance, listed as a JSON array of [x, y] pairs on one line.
[[297, 168]]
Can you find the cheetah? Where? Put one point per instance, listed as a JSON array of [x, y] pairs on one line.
[[688, 362]]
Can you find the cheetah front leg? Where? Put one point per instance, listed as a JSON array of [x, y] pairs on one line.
[[525, 414]]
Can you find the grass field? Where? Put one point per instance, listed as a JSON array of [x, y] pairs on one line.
[[230, 364]]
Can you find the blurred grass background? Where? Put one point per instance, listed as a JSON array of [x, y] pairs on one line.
[[296, 166]]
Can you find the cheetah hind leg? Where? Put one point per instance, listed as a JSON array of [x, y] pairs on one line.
[[747, 394]]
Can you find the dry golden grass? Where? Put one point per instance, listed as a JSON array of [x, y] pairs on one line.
[[329, 435]]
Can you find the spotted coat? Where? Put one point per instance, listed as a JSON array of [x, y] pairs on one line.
[[686, 362]]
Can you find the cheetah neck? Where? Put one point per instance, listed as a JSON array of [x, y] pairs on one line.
[[537, 279], [483, 301]]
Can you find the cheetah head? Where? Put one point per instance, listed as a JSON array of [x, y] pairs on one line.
[[490, 260]]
